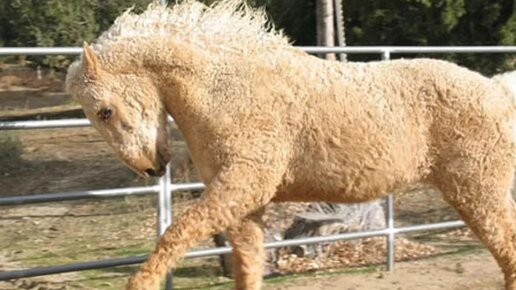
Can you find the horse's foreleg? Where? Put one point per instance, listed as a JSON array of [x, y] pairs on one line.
[[233, 194], [248, 252]]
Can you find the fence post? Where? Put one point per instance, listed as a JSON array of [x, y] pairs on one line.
[[165, 211], [390, 234], [386, 55], [165, 206]]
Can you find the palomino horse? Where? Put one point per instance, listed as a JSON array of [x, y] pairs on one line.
[[265, 122]]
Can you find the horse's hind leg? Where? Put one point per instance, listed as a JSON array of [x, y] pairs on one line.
[[248, 253], [479, 191]]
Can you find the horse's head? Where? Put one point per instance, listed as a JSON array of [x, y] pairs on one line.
[[126, 110]]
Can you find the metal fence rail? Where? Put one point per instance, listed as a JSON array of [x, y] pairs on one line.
[[310, 49], [40, 271], [44, 124], [165, 188]]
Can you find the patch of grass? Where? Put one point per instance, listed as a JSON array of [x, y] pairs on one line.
[[191, 274], [108, 279], [11, 149], [201, 274], [326, 273], [134, 250], [44, 258]]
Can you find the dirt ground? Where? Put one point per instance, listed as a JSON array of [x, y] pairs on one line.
[[476, 271], [45, 161]]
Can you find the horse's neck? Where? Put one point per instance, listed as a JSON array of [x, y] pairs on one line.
[[184, 86]]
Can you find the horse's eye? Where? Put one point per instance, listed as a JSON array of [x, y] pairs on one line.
[[105, 113]]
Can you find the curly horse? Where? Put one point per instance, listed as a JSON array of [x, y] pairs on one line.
[[265, 122]]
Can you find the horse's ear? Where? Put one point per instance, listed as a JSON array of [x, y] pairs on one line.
[[90, 63]]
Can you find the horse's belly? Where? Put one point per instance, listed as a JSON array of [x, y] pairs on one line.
[[326, 186], [332, 191], [352, 176]]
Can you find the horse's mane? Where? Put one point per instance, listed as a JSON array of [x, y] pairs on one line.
[[228, 24]]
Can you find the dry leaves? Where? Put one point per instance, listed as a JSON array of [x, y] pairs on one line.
[[354, 253]]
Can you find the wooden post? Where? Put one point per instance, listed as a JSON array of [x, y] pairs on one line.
[[325, 20]]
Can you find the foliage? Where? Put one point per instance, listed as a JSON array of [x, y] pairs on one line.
[[57, 23], [412, 22], [394, 22]]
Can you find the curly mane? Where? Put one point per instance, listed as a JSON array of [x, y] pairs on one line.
[[228, 24]]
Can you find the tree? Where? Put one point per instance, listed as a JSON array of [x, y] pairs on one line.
[[412, 22], [425, 22], [57, 23], [394, 22]]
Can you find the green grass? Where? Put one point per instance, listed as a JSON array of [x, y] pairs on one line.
[[134, 250], [327, 273], [11, 149]]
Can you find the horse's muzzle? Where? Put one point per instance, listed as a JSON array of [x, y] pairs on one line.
[[161, 159], [156, 173]]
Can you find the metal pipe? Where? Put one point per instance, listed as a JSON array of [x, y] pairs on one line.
[[165, 212], [167, 189], [40, 50], [310, 49], [409, 49], [326, 239], [187, 186], [48, 124], [164, 203], [44, 124], [391, 238], [429, 227], [40, 271], [101, 193], [61, 196], [390, 233], [386, 55]]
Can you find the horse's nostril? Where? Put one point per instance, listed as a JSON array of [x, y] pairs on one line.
[[150, 172]]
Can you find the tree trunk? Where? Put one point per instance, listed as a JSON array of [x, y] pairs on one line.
[[322, 219], [325, 20]]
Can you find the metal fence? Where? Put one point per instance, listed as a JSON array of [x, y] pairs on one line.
[[165, 188]]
